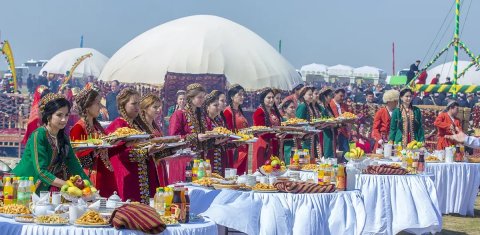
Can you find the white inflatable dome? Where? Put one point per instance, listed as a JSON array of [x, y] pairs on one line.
[[63, 61], [201, 44], [471, 77]]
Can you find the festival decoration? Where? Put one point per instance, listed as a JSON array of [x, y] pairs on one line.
[[456, 43], [74, 66], [7, 52]]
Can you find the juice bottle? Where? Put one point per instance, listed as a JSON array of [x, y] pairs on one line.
[[177, 205], [194, 170], [15, 189], [8, 192], [296, 158], [306, 154], [159, 201], [187, 206], [21, 191], [168, 200], [321, 173], [201, 170], [327, 175], [32, 185], [188, 173], [341, 178], [208, 168]]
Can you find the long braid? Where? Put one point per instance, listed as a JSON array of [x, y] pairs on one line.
[[267, 115]]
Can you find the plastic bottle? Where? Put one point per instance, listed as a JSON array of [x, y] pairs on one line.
[[208, 168], [293, 154], [8, 192], [201, 170], [301, 158], [1, 190], [327, 175], [188, 173], [21, 192], [15, 189], [177, 208], [321, 173], [32, 185], [341, 178], [195, 170], [187, 206], [168, 200], [159, 201], [306, 154]]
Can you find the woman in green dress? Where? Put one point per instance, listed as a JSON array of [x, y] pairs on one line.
[[406, 123], [48, 155], [325, 96], [307, 111], [288, 108]]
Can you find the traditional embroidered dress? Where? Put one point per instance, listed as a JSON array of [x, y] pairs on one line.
[[308, 112], [95, 163], [445, 124], [189, 123], [406, 125], [329, 140], [217, 155], [237, 156], [267, 144], [381, 126], [42, 161], [131, 168], [160, 165]]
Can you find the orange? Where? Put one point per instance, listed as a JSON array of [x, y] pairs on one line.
[[267, 168], [86, 191]]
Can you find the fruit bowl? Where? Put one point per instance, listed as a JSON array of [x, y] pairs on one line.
[[356, 155], [274, 173], [273, 167], [75, 199]]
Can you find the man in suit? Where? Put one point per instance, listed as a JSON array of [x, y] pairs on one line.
[[470, 102], [112, 100], [413, 71], [448, 82]]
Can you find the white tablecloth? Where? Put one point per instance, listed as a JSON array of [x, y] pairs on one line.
[[284, 213], [399, 202], [457, 186], [10, 227]]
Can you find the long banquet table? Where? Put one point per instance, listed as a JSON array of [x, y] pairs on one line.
[[282, 213], [400, 202], [10, 227], [457, 186]]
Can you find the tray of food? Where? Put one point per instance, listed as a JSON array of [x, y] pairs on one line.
[[385, 169], [166, 139], [432, 159], [91, 219], [264, 188], [126, 134], [51, 220], [10, 211], [169, 220], [295, 122], [206, 182], [25, 219], [310, 167]]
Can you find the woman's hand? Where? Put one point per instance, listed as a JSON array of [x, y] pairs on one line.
[[156, 148], [281, 136], [221, 140]]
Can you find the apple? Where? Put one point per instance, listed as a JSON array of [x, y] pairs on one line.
[[267, 162], [79, 183], [277, 167], [275, 163]]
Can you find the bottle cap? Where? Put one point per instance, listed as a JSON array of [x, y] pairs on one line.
[[30, 178]]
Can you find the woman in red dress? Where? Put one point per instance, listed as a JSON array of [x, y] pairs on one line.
[[133, 167], [235, 119], [34, 117], [95, 163], [151, 108], [267, 114], [191, 123]]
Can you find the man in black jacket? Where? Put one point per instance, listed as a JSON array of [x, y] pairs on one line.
[[413, 71]]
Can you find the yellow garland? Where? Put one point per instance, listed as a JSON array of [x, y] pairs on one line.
[[7, 51], [75, 65]]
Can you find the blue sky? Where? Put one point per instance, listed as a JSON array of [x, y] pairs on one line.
[[351, 32]]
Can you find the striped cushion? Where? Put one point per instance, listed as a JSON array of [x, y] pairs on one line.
[[137, 217]]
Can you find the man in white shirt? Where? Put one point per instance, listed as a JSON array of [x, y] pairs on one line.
[[469, 141]]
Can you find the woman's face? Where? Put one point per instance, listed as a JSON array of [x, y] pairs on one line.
[[213, 109], [94, 110], [153, 111], [290, 111], [308, 96], [181, 101], [316, 95], [199, 99], [222, 102], [329, 98], [132, 108], [239, 97], [268, 100], [59, 119], [278, 99], [407, 98]]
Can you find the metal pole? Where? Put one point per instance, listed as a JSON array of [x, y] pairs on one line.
[[393, 58], [280, 46], [455, 44]]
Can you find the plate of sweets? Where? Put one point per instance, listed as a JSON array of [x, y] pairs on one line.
[[92, 219], [264, 188], [12, 210], [126, 134], [51, 220]]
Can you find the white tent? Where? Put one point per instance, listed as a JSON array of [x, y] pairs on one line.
[[367, 72], [315, 69], [63, 61], [471, 77], [340, 70], [201, 44]]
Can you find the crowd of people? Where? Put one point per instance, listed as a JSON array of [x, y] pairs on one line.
[[58, 116]]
